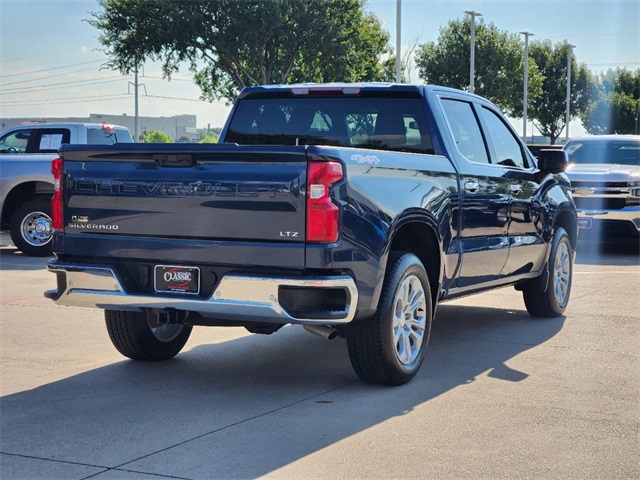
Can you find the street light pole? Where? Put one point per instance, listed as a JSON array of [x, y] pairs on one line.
[[473, 48], [568, 116], [398, 40], [526, 84], [136, 86], [136, 140]]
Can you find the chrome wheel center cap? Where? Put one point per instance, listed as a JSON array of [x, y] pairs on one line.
[[42, 226]]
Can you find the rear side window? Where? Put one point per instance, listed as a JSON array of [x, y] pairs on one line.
[[506, 148], [365, 122], [49, 140], [108, 136], [465, 130]]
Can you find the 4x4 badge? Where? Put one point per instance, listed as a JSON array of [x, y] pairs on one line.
[[369, 159]]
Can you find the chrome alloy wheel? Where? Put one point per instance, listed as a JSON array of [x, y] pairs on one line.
[[562, 273], [36, 229], [168, 332], [409, 320]]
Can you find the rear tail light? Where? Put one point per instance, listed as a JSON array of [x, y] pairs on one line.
[[57, 220], [323, 216]]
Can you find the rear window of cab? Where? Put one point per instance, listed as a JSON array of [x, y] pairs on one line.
[[383, 123]]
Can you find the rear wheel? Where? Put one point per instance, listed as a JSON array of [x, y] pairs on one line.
[[389, 348], [134, 337], [30, 227], [550, 298]]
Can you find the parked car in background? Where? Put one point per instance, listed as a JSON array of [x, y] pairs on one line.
[[605, 179], [26, 182]]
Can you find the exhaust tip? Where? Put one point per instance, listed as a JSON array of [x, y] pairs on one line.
[[323, 331]]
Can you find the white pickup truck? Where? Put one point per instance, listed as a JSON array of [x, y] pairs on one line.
[[26, 182], [605, 179]]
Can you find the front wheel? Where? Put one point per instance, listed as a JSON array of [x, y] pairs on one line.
[[134, 337], [31, 229], [389, 348], [550, 298]]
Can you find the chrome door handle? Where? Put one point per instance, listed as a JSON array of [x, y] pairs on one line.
[[515, 188], [471, 186]]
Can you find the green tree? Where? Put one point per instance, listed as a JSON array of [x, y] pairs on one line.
[[389, 70], [499, 63], [548, 110], [207, 137], [184, 139], [156, 136], [230, 44], [615, 107]]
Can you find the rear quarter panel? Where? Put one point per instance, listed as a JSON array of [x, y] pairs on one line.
[[381, 192]]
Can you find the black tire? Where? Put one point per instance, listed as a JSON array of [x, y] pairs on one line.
[[550, 298], [133, 337], [374, 352], [31, 229]]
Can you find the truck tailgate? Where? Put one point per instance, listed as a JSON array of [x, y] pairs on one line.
[[201, 193]]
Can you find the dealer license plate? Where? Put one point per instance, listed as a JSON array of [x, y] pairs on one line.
[[585, 223], [175, 279]]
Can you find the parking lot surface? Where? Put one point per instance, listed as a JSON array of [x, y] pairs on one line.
[[501, 395]]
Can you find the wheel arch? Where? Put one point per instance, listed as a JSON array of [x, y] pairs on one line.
[[20, 194], [416, 234], [567, 219]]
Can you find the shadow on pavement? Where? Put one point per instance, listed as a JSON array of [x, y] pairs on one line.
[[246, 407], [13, 259]]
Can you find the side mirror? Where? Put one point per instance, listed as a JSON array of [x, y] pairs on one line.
[[552, 161]]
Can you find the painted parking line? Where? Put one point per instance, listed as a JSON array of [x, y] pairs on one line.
[[607, 273], [22, 300]]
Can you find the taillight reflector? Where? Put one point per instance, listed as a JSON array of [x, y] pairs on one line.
[[323, 216], [57, 218]]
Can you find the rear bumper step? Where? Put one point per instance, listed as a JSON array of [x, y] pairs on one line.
[[237, 297]]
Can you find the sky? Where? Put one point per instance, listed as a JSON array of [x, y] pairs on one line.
[[50, 58]]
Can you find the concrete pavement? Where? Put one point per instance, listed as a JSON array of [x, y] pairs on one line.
[[501, 395]]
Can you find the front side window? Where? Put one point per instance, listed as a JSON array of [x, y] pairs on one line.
[[507, 149], [15, 142], [364, 121], [465, 130]]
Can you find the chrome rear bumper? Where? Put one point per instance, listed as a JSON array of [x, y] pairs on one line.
[[237, 297]]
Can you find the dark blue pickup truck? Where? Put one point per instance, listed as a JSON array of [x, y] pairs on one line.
[[349, 209]]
